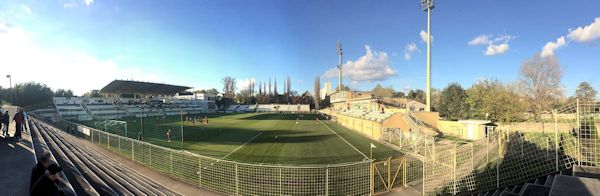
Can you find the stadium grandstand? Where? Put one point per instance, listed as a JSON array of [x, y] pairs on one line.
[[123, 98]]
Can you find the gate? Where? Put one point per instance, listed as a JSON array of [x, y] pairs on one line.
[[387, 175]]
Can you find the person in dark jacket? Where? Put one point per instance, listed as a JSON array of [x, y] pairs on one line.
[[40, 168], [5, 123], [19, 119], [47, 184]]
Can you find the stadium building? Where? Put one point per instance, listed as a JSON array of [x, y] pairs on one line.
[[122, 98]]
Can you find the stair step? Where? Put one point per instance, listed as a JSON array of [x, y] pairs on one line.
[[549, 180], [516, 189], [538, 181], [496, 193], [534, 189], [508, 193]]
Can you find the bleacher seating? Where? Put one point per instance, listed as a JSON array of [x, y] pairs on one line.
[[104, 110], [580, 181], [242, 108]]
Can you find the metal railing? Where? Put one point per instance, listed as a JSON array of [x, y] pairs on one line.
[[235, 178]]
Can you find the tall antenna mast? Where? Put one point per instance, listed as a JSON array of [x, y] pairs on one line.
[[427, 5], [340, 52]]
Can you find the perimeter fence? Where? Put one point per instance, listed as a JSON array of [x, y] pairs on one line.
[[236, 178], [505, 157]]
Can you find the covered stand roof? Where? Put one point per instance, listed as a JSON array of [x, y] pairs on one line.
[[135, 87]]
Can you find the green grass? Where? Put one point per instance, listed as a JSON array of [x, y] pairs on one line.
[[277, 138]]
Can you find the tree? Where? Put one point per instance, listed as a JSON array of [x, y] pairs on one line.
[[380, 91], [28, 94], [398, 94], [492, 100], [275, 87], [229, 86], [317, 95], [344, 88], [63, 93], [452, 102], [417, 95], [585, 92], [540, 79]]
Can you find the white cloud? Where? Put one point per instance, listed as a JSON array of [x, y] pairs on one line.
[[480, 40], [373, 66], [548, 49], [88, 2], [586, 33], [70, 5], [496, 45], [242, 84], [26, 8], [494, 49], [409, 49], [423, 35], [77, 71]]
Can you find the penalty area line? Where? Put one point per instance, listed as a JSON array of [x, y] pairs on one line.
[[242, 145], [363, 154]]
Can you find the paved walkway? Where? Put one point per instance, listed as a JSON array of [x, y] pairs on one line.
[[16, 161]]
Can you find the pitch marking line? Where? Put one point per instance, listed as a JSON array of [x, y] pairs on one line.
[[344, 140], [243, 145]]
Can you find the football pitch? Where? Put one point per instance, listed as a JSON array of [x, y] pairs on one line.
[[287, 139]]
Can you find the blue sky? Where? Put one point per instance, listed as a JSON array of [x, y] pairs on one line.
[[84, 44]]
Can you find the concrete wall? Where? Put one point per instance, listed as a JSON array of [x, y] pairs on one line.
[[431, 118], [368, 128], [451, 127], [537, 127], [396, 121]]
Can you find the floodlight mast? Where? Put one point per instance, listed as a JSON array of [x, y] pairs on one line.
[[340, 52], [428, 5]]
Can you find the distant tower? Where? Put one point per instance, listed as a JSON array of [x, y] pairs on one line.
[[427, 5], [340, 52]]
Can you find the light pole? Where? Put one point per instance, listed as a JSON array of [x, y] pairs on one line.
[[141, 136], [340, 52], [12, 99], [181, 108], [427, 5]]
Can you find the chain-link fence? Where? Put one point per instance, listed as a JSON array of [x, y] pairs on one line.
[[235, 178]]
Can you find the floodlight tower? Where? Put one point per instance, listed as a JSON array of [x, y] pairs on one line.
[[340, 52], [427, 5]]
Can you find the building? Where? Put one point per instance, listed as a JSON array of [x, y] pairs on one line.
[[326, 90]]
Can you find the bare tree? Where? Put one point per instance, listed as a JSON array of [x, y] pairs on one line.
[[540, 80], [317, 94], [275, 87], [270, 86], [229, 86]]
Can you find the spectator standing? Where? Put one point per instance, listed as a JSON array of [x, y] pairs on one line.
[[19, 123]]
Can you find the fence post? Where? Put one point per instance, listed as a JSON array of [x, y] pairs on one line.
[[327, 180], [556, 142], [578, 135], [454, 172], [236, 180], [150, 156], [119, 140], [405, 165], [200, 171], [107, 141], [132, 151], [372, 186], [171, 162], [280, 182]]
